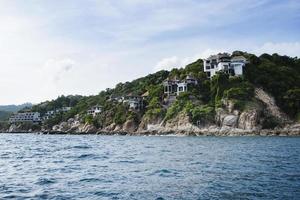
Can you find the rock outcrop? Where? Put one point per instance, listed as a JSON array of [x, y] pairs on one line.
[[271, 106], [249, 120]]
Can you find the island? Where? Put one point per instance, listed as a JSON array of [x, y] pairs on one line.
[[223, 95]]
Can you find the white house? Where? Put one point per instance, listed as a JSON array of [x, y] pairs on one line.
[[182, 87], [94, 111], [238, 63], [224, 62], [33, 117]]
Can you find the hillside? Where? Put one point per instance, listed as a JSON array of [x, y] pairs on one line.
[[14, 108], [206, 103], [4, 115]]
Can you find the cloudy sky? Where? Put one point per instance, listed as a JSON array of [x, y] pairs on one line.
[[54, 47]]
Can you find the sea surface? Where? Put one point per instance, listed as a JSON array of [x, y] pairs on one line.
[[125, 167]]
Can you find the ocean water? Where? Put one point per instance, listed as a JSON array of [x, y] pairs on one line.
[[122, 167]]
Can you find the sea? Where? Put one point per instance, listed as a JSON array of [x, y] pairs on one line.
[[61, 167]]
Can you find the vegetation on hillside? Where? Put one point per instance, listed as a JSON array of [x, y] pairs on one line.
[[278, 75]]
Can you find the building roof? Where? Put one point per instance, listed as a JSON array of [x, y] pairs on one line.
[[145, 94]]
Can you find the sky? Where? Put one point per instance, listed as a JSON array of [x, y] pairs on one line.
[[61, 47]]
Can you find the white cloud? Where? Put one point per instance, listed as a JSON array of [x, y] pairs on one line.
[[168, 63]]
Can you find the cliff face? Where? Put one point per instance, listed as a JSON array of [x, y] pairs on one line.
[[229, 121]]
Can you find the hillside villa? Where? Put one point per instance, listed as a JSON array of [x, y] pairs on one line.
[[95, 110], [233, 65], [175, 87], [134, 102]]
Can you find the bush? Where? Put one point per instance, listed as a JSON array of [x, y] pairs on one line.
[[88, 119], [292, 102], [239, 93], [155, 109], [120, 114], [202, 113], [219, 84], [270, 122], [175, 108]]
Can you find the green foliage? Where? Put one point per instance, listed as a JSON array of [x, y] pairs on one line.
[[270, 122], [4, 125], [203, 113], [155, 91], [53, 121], [292, 102], [88, 119], [275, 74], [155, 109], [179, 105], [240, 93], [120, 114], [219, 84]]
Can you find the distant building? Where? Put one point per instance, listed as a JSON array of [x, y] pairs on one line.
[[175, 87], [170, 86], [65, 109], [49, 114], [182, 87], [33, 117], [95, 110], [135, 102], [224, 62]]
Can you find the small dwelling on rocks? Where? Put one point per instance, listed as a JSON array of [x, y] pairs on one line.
[[175, 87], [95, 110], [233, 65], [33, 117], [135, 102]]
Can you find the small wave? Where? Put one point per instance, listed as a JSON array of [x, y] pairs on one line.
[[165, 173], [45, 181], [89, 180], [106, 194], [92, 180], [86, 156], [130, 161], [81, 147]]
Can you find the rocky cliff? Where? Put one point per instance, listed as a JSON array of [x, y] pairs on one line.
[[228, 121]]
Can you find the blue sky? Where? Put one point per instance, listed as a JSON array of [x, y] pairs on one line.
[[55, 47]]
